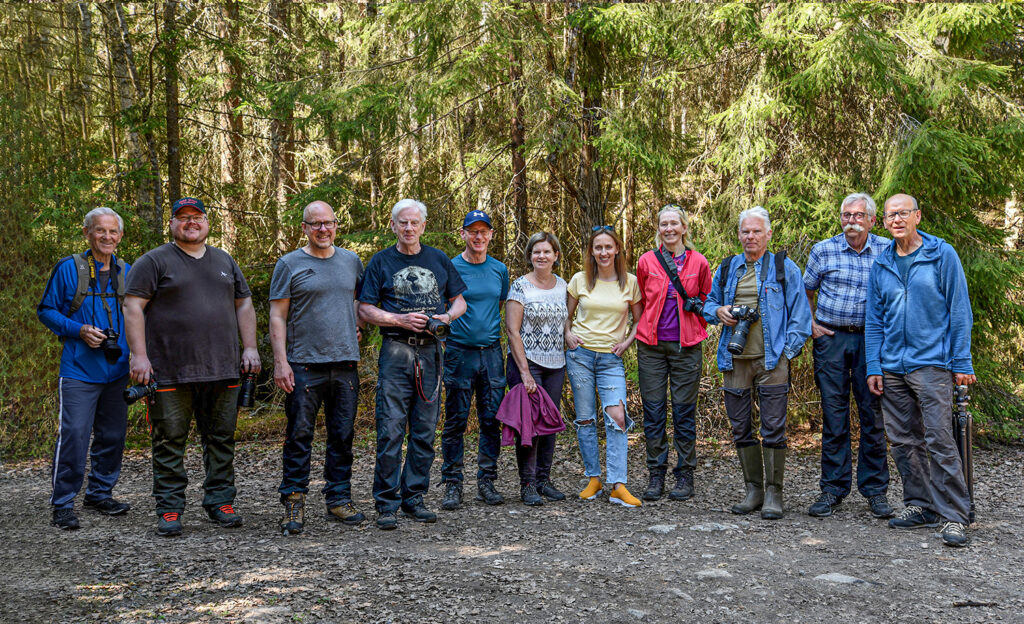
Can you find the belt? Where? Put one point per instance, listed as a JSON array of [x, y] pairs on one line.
[[413, 340], [321, 366], [494, 345], [849, 329]]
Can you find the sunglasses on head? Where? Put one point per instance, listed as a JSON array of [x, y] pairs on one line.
[[602, 228]]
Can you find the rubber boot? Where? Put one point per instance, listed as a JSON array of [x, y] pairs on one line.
[[774, 470], [753, 477]]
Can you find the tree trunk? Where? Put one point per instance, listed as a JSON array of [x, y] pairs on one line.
[[281, 121], [517, 137], [1012, 221], [171, 101], [231, 173]]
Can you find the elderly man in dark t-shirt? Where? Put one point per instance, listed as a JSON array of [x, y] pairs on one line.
[[185, 305], [413, 284]]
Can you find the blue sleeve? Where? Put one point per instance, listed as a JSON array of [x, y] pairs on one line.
[[60, 290], [369, 290], [504, 282], [961, 318], [873, 324], [712, 303], [812, 277], [798, 328]]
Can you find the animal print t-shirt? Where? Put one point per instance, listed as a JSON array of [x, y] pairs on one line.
[[401, 283], [544, 314]]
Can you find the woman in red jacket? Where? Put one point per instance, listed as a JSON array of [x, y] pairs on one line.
[[668, 349]]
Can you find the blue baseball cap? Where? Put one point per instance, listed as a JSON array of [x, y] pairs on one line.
[[188, 202], [476, 216]]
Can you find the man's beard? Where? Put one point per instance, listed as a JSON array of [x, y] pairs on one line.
[[182, 239], [852, 227]]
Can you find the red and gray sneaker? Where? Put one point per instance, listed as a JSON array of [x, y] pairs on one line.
[[225, 516], [168, 524]]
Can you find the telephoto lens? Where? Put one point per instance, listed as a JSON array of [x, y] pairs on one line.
[[247, 391], [694, 304], [745, 317], [438, 328], [141, 391]]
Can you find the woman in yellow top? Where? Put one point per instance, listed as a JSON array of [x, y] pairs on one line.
[[597, 333]]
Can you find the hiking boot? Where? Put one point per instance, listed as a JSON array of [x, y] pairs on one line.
[[485, 492], [65, 519], [107, 506], [655, 487], [955, 534], [825, 505], [753, 479], [914, 517], [530, 496], [420, 513], [346, 513], [452, 496], [774, 473], [880, 507], [168, 524], [621, 496], [683, 489], [387, 520], [549, 491], [294, 513], [225, 516], [593, 489]]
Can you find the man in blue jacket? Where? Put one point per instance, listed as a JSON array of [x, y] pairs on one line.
[[81, 305], [918, 342], [778, 324]]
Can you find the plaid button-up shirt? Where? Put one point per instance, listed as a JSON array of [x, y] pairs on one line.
[[840, 275]]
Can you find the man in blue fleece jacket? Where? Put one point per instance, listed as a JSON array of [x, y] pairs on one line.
[[918, 341]]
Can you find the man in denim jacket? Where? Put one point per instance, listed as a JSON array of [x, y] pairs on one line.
[[775, 337], [918, 342]]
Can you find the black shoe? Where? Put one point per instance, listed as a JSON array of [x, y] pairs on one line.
[[168, 524], [549, 491], [294, 514], [108, 506], [914, 517], [420, 513], [955, 534], [880, 507], [485, 492], [346, 513], [530, 496], [386, 520], [655, 488], [65, 518], [452, 496], [683, 489], [825, 505], [225, 516]]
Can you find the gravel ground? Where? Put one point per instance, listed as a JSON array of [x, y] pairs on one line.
[[564, 562]]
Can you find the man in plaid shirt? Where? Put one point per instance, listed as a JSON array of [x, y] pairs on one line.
[[837, 271]]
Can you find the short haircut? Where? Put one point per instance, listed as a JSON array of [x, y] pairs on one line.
[[869, 204], [541, 237], [408, 203], [309, 206], [102, 210], [687, 241], [756, 211]]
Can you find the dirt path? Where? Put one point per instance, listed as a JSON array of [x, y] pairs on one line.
[[564, 562]]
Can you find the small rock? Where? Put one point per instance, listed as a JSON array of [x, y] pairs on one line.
[[836, 577], [707, 527], [637, 613], [713, 573], [678, 593], [707, 556], [662, 529]]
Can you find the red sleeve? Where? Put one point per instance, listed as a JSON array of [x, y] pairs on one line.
[[704, 278]]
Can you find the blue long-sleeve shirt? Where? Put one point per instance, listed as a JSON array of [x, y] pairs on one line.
[[925, 321], [78, 360], [785, 320]]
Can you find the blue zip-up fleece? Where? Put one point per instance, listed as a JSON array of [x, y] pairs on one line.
[[786, 322], [925, 322], [78, 360]]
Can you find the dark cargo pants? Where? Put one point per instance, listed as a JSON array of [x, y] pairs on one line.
[[661, 366]]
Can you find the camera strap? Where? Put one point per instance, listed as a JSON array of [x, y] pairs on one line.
[[94, 283], [668, 264]]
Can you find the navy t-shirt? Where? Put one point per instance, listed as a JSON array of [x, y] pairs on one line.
[[903, 263], [402, 283]]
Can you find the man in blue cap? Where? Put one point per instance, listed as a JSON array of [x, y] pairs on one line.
[[473, 365]]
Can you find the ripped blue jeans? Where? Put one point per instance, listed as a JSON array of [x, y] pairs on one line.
[[594, 374]]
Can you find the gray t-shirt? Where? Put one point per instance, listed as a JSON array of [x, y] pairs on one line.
[[321, 312]]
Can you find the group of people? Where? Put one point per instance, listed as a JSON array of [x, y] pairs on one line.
[[891, 321]]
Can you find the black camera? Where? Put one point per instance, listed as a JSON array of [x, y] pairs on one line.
[[141, 391], [247, 390], [111, 350], [746, 316], [437, 328], [694, 304]]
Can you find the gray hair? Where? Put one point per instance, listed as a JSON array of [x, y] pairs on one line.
[[756, 211], [869, 203], [408, 203], [102, 210]]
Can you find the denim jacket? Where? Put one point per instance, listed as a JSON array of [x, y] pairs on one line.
[[786, 320]]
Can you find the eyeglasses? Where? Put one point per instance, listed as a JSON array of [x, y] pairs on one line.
[[192, 219], [902, 214], [322, 225], [602, 228], [853, 216]]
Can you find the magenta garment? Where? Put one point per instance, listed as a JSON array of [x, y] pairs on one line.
[[668, 322], [530, 415]]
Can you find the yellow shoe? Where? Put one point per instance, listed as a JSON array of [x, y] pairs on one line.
[[592, 490], [621, 496]]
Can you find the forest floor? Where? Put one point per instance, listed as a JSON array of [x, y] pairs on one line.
[[565, 562]]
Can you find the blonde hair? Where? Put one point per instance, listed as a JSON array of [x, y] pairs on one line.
[[687, 241]]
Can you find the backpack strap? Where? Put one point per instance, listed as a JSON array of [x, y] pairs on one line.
[[724, 271], [780, 270], [82, 288]]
